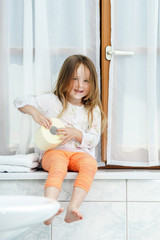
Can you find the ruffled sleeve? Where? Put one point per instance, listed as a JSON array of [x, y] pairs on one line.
[[40, 102]]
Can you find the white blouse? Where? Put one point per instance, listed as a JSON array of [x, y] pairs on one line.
[[74, 116]]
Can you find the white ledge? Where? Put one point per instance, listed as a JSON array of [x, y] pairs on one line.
[[101, 174]]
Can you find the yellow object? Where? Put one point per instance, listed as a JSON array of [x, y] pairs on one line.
[[47, 139]]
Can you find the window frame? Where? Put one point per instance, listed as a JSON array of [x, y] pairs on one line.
[[105, 35]]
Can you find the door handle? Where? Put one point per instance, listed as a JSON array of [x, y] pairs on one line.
[[110, 52]]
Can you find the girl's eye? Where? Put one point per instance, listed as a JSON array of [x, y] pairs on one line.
[[75, 78], [86, 80]]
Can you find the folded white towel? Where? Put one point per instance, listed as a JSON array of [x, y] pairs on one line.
[[29, 160], [14, 169]]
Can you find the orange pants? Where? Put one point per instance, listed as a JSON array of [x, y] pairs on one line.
[[57, 162]]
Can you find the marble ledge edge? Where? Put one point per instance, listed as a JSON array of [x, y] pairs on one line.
[[102, 174]]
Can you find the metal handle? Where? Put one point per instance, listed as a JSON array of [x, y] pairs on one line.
[[110, 52]]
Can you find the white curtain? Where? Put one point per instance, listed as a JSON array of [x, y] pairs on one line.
[[134, 88], [4, 62], [36, 37]]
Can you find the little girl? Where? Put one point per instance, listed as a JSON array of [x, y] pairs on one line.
[[76, 102]]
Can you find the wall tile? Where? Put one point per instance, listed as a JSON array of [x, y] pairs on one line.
[[143, 190], [22, 187], [38, 232], [101, 190], [143, 221], [101, 221]]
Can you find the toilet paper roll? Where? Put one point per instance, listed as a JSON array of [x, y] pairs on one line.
[[47, 139]]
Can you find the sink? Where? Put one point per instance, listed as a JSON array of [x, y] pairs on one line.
[[18, 213]]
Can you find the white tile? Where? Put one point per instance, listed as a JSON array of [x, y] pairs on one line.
[[101, 190], [22, 187], [38, 232], [143, 190], [143, 221], [102, 221]]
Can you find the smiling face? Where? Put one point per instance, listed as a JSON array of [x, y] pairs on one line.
[[79, 85]]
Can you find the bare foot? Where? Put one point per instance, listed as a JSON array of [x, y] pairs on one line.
[[72, 215], [49, 221]]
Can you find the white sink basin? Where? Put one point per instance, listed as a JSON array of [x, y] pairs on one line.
[[18, 213]]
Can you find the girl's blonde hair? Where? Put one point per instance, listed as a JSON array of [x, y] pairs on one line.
[[90, 101]]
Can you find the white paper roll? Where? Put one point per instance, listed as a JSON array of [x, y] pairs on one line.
[[47, 139]]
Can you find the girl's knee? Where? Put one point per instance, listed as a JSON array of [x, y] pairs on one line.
[[89, 164], [86, 174], [93, 165]]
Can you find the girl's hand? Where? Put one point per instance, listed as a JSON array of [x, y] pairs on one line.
[[42, 119], [69, 134], [37, 116]]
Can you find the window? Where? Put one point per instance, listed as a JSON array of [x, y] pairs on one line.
[[132, 140]]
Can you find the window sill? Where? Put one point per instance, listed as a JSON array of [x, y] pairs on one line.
[[101, 174]]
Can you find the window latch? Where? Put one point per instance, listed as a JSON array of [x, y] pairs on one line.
[[110, 52]]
